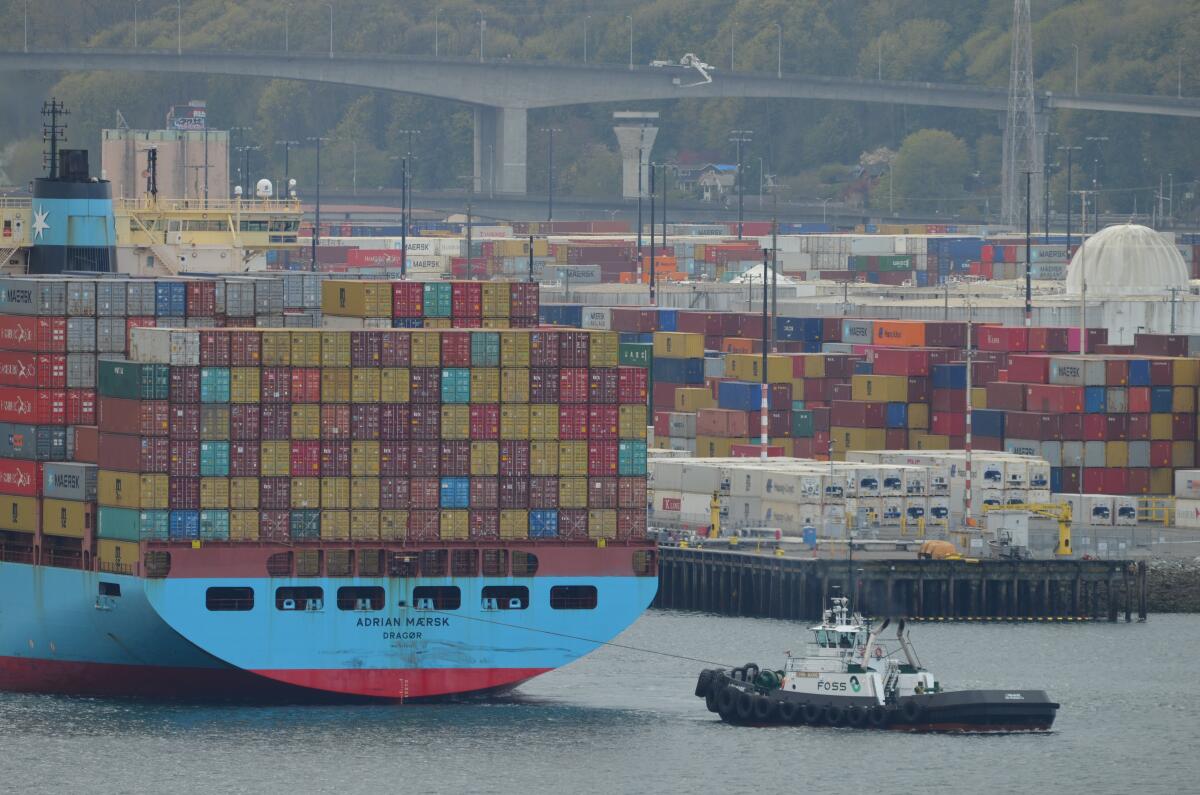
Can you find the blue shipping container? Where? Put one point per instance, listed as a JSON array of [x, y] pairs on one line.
[[1139, 372], [987, 422], [543, 524], [950, 376], [456, 493], [897, 415], [1095, 399], [185, 525], [678, 371], [667, 319], [1161, 399]]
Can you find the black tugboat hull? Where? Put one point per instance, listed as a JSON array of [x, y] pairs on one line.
[[975, 711]]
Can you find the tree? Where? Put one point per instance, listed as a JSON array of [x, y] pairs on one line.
[[931, 167]]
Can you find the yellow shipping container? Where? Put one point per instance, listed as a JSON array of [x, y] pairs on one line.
[[797, 388], [572, 459], [394, 385], [929, 441], [1160, 427], [485, 385], [631, 422], [306, 493], [19, 514], [742, 366], [275, 458], [678, 345], [543, 420], [276, 349], [514, 421], [335, 525], [66, 518], [1185, 372], [602, 523], [496, 322], [356, 298], [692, 399], [306, 421], [244, 383], [1162, 480], [543, 458], [605, 349], [364, 385], [214, 423], [454, 525], [456, 421], [119, 489], [1116, 454], [714, 446], [426, 349], [978, 398], [1183, 398], [846, 439], [514, 349], [214, 493], [1183, 454], [514, 385], [155, 491], [572, 492], [880, 388], [814, 365], [243, 525], [364, 493], [335, 492], [510, 247], [306, 348], [438, 322], [918, 416], [364, 459], [485, 459], [513, 524], [364, 525], [243, 492], [335, 385], [117, 556], [335, 348], [497, 298], [393, 525]]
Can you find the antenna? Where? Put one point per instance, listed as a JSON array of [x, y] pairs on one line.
[[53, 133], [1020, 129]]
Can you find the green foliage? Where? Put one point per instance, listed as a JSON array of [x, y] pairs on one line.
[[930, 170]]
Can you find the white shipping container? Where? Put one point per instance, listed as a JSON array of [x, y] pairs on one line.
[[1125, 511], [1187, 484], [1187, 513], [1097, 510], [597, 317]]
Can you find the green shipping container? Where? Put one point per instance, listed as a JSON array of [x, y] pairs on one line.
[[636, 354], [214, 525], [214, 384], [119, 524], [214, 459], [485, 349], [456, 385], [306, 525], [437, 300], [802, 425], [155, 525], [631, 459], [133, 380]]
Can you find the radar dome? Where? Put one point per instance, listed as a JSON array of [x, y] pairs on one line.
[[1127, 259], [263, 189]]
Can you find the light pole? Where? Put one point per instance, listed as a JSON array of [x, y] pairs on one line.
[[1046, 182], [739, 137], [316, 233], [330, 6], [585, 37], [1096, 140], [27, 24], [179, 27], [135, 22], [287, 174], [732, 43], [824, 204], [287, 22], [482, 28], [630, 18], [1076, 48], [436, 13], [641, 194], [1069, 150], [550, 174], [238, 167], [760, 183], [778, 51]]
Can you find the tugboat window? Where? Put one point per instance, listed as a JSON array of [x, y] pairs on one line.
[[232, 599]]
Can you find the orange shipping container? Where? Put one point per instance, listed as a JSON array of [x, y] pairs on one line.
[[900, 333]]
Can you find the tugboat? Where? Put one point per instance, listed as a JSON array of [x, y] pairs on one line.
[[847, 678]]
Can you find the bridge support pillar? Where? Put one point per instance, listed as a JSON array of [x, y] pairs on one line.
[[500, 150]]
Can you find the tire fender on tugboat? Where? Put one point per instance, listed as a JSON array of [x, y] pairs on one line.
[[911, 711], [745, 705]]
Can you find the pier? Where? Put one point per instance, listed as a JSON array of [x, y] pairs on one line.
[[766, 586]]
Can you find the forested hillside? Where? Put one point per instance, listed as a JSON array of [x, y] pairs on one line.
[[1130, 47]]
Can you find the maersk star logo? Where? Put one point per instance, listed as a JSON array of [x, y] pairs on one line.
[[39, 223]]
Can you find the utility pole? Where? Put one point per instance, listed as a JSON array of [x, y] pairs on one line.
[[764, 402], [740, 137], [653, 274], [664, 209], [287, 176], [639, 221], [1069, 150], [1046, 182], [316, 234], [1028, 259], [550, 174], [405, 199]]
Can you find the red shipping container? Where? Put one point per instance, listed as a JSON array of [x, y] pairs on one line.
[[858, 414], [154, 455], [754, 451], [81, 407], [514, 458], [395, 348], [214, 348], [602, 459], [123, 452], [201, 298], [1139, 400], [896, 439], [1162, 372], [366, 349], [183, 494], [39, 334], [455, 458], [87, 444], [1029, 369], [33, 406], [1001, 338], [543, 349], [184, 421], [1160, 453], [423, 525], [543, 385], [245, 348], [949, 423], [779, 423], [306, 459], [394, 459], [275, 494], [466, 300], [573, 422], [185, 385], [408, 300], [722, 422], [335, 420], [484, 494], [28, 369], [1053, 398], [425, 493], [395, 421], [425, 384], [514, 493], [483, 525], [602, 422], [1093, 427], [901, 361], [364, 422], [707, 323], [632, 385], [1138, 426], [275, 421], [949, 400], [1028, 425], [426, 456], [987, 443], [1116, 372], [1183, 427], [244, 460], [185, 458], [456, 348], [603, 385], [305, 384], [484, 421], [335, 459], [244, 422], [275, 385], [1139, 480], [573, 385], [394, 493], [23, 478], [664, 396]]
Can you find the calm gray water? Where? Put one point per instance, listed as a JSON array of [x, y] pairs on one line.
[[622, 721]]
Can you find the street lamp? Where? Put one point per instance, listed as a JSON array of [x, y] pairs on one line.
[[550, 174], [330, 6], [287, 173], [778, 51], [1076, 48], [1097, 140], [630, 18], [482, 28], [135, 21], [179, 27], [1069, 150], [436, 13], [286, 28], [824, 204], [740, 137], [316, 234], [732, 32], [585, 37], [27, 24]]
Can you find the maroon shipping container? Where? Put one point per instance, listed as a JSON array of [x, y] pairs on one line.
[[275, 421], [1049, 339], [543, 493], [602, 422], [1001, 338], [918, 389], [602, 493], [572, 385], [945, 334], [305, 459], [1029, 369], [185, 458], [484, 421], [721, 422], [244, 422], [275, 385], [485, 494], [573, 524], [425, 493], [122, 452], [183, 494], [366, 349], [425, 384], [364, 421], [664, 396], [524, 299], [423, 525], [394, 458], [1071, 427], [425, 422], [483, 525], [1116, 372], [1160, 344], [119, 415], [456, 347], [394, 493], [708, 323], [993, 443], [901, 361], [631, 525], [822, 419], [1053, 398], [184, 421], [841, 391], [408, 300], [425, 457], [1160, 453], [395, 347], [1029, 425], [245, 349], [395, 421], [1139, 480], [335, 459], [1138, 427], [543, 349], [201, 298], [514, 458], [214, 348], [631, 493], [305, 384], [514, 493], [948, 400], [858, 414], [573, 422], [335, 420], [244, 460], [634, 320], [543, 385], [603, 385], [602, 458], [455, 458], [1183, 427], [185, 385], [1161, 372], [895, 439], [574, 349], [983, 372], [155, 455], [631, 385], [275, 494], [274, 525], [466, 300], [1005, 396]]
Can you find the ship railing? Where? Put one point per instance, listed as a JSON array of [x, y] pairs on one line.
[[62, 560], [117, 568], [15, 202], [210, 205], [12, 554]]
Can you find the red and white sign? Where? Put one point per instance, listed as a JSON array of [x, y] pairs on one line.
[[23, 478]]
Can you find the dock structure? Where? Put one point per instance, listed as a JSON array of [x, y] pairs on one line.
[[765, 586]]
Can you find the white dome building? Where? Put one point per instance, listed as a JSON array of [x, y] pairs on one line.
[[1127, 260]]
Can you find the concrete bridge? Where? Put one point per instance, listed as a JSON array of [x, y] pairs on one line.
[[503, 92]]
